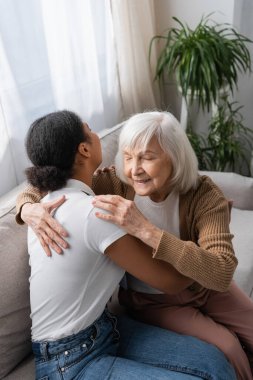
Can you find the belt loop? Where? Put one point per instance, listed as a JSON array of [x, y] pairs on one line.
[[43, 350]]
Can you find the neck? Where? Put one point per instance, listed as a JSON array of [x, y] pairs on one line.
[[84, 177], [160, 196]]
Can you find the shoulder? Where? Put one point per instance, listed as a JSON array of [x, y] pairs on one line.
[[70, 193], [205, 195], [204, 186], [100, 233]]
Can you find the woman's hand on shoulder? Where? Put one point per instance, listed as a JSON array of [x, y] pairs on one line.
[[122, 212], [105, 169], [39, 216], [126, 215]]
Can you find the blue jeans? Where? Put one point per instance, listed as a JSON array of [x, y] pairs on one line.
[[142, 352]]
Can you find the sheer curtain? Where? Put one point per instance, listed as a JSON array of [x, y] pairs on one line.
[[55, 54], [89, 56], [134, 27]]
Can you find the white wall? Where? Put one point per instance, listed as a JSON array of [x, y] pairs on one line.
[[191, 11], [243, 16]]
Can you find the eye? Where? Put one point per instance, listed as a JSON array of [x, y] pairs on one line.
[[147, 157], [127, 156]]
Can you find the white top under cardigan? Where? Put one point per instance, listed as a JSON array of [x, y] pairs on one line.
[[164, 215], [69, 292]]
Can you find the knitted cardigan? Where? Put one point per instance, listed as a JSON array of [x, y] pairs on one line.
[[204, 251]]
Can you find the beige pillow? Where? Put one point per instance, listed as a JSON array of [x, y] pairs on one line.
[[109, 142], [15, 323], [241, 227], [235, 187]]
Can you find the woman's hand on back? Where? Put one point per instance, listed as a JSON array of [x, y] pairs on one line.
[[39, 216]]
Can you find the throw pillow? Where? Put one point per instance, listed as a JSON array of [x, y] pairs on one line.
[[15, 323], [235, 187], [241, 226]]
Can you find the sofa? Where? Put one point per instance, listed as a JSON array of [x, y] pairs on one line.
[[15, 347]]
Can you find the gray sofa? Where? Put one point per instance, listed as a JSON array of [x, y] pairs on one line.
[[15, 347]]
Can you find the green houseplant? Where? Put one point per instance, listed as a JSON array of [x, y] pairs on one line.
[[204, 59], [228, 144], [206, 62]]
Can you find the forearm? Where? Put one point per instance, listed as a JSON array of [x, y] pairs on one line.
[[29, 195], [136, 258], [212, 267], [149, 234], [176, 281]]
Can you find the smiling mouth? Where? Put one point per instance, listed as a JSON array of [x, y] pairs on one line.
[[141, 181]]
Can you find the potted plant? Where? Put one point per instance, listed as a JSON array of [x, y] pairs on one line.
[[228, 144], [206, 62], [205, 59]]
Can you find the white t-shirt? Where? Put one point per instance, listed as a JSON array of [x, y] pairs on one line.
[[164, 215], [69, 291]]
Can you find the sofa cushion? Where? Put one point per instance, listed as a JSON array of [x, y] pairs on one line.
[[109, 142], [241, 226], [24, 371], [15, 323], [235, 187]]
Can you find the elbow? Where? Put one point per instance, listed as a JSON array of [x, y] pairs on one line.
[[225, 284], [223, 287], [222, 280]]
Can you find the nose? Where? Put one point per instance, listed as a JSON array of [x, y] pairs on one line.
[[136, 167]]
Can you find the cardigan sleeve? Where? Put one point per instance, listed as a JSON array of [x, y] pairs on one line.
[[109, 183], [207, 256], [30, 195]]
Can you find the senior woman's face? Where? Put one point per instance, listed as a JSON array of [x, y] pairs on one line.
[[149, 170]]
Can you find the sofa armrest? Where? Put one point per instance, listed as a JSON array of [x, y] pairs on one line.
[[8, 200], [235, 187]]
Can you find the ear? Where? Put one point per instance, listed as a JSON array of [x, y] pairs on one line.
[[84, 149]]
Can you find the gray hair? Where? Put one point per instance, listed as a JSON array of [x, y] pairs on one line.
[[139, 130]]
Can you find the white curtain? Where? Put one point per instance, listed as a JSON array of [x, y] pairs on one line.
[[54, 54], [89, 56], [134, 27]]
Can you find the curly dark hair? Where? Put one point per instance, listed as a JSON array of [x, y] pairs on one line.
[[51, 144]]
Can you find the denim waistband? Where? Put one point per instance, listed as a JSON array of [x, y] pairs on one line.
[[46, 349]]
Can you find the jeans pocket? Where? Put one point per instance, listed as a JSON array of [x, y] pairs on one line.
[[114, 322], [78, 352]]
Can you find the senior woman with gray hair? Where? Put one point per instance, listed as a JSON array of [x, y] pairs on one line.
[[184, 217]]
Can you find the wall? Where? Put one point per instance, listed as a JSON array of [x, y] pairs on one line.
[[191, 11], [243, 16]]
